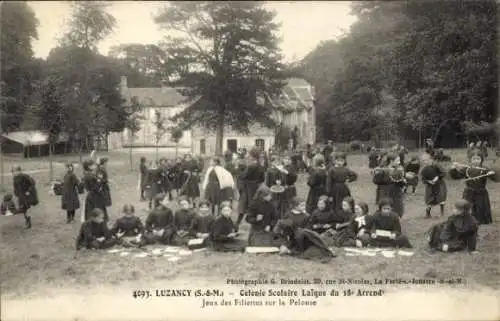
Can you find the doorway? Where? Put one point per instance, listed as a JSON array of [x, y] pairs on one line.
[[232, 145], [260, 144], [203, 146]]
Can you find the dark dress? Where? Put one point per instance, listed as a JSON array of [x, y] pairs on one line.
[[475, 192], [257, 235], [70, 200], [412, 168], [183, 219], [387, 222], [459, 232], [336, 186], [94, 198], [25, 190], [388, 188], [90, 231], [201, 224], [301, 241], [347, 236], [143, 170], [155, 183], [321, 218], [221, 242], [129, 225], [434, 193], [240, 185], [190, 179], [161, 218], [373, 159], [102, 178], [317, 188], [251, 178]]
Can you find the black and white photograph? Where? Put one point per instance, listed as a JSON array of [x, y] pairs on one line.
[[249, 160]]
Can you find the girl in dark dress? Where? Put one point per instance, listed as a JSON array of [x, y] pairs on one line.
[[387, 221], [252, 177], [190, 179], [202, 223], [240, 185], [349, 233], [143, 177], [24, 187], [412, 170], [457, 233], [94, 198], [160, 223], [338, 176], [103, 180], [475, 187], [94, 232], [435, 185], [390, 183], [290, 178], [128, 229], [70, 200], [183, 219], [155, 182], [8, 207], [322, 218], [166, 187], [298, 239], [222, 232], [373, 158], [317, 185], [262, 218]]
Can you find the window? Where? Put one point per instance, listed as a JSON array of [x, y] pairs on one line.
[[260, 144], [203, 146]]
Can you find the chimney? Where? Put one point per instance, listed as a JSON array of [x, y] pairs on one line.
[[123, 82]]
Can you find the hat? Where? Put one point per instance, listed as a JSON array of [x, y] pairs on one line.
[[128, 208]]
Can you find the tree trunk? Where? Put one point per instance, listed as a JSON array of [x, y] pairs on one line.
[[157, 148], [51, 165], [2, 188], [219, 135], [130, 157], [176, 150]]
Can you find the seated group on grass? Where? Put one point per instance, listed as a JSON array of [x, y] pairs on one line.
[[297, 233]]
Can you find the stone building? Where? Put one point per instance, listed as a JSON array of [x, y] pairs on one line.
[[293, 108]]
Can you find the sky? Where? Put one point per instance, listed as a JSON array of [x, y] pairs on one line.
[[304, 24]]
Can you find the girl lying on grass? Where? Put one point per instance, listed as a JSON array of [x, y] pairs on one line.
[[458, 233]]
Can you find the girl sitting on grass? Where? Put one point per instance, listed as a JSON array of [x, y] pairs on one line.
[[183, 219], [262, 217], [458, 233], [8, 207], [201, 224], [322, 217], [222, 232], [351, 231], [160, 222], [94, 233], [384, 228], [128, 229]]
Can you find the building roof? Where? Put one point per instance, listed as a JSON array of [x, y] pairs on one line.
[[155, 97], [33, 137]]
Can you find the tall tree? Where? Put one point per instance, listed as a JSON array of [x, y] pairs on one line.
[[133, 124], [89, 24], [159, 123], [227, 54]]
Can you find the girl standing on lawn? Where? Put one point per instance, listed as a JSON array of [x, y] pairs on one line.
[[191, 179], [337, 177], [154, 182], [317, 184], [390, 182], [103, 181], [251, 178], [435, 185], [475, 186], [143, 177], [94, 198], [411, 174], [218, 185], [25, 190], [70, 200]]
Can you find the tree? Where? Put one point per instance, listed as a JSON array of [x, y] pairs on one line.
[[226, 54], [89, 24], [176, 135], [161, 130], [50, 113], [145, 65]]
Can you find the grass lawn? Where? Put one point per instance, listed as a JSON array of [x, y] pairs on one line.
[[36, 262]]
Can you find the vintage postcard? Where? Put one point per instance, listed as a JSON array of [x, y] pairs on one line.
[[249, 160]]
